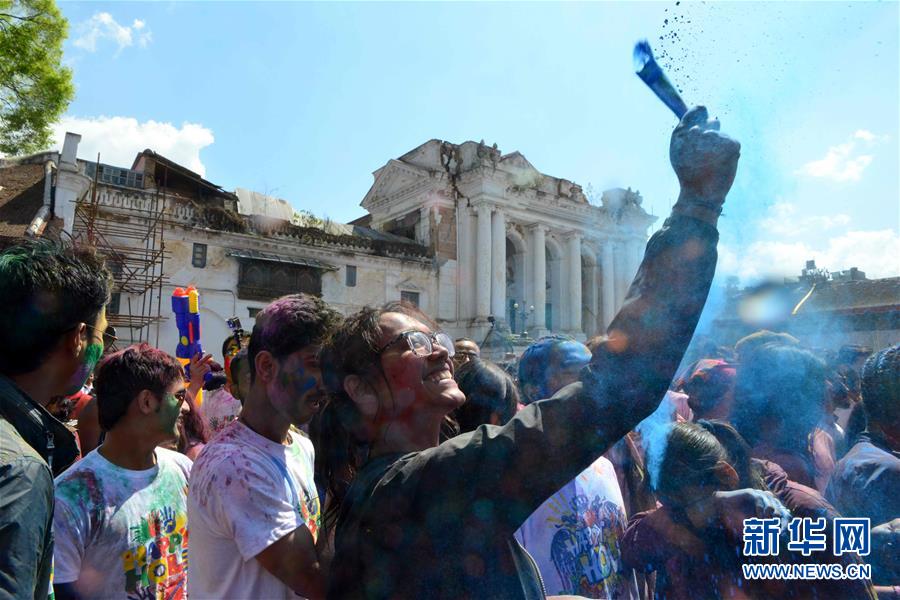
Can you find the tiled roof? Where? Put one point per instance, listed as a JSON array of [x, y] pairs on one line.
[[21, 197], [853, 295]]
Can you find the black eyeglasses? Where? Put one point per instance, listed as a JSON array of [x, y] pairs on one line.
[[108, 335], [421, 343]]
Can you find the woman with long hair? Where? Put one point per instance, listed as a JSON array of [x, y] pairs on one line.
[[708, 485], [193, 432]]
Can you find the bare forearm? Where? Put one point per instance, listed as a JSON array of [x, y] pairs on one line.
[[294, 561], [309, 582]]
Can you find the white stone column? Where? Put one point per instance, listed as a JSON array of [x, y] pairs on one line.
[[539, 281], [483, 263], [423, 233], [623, 268], [593, 326], [574, 244], [465, 268], [609, 284], [498, 264], [636, 254], [624, 265]]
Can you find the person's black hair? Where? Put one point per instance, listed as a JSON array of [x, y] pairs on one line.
[[747, 345], [289, 324], [122, 375], [693, 451], [215, 382], [779, 387], [489, 390], [690, 459], [233, 366], [46, 289], [216, 378], [739, 453], [193, 429], [880, 385]]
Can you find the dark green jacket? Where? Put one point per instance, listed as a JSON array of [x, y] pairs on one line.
[[439, 523], [26, 516], [30, 437]]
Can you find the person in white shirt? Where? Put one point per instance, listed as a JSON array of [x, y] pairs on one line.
[[121, 520], [574, 535], [253, 505]]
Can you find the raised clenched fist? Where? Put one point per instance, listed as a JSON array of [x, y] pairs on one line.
[[705, 162]]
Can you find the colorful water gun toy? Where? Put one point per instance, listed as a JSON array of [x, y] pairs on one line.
[[186, 306]]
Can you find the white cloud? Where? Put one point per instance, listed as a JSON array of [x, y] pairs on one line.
[[783, 220], [868, 136], [119, 139], [844, 162], [145, 38], [875, 252], [102, 26]]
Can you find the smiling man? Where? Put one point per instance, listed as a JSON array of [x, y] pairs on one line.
[[120, 520], [253, 505]]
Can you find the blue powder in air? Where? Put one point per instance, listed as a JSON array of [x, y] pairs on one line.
[[654, 432]]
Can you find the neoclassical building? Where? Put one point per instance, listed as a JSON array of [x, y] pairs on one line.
[[510, 242], [470, 235]]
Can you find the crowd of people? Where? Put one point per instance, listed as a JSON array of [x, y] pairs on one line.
[[372, 455]]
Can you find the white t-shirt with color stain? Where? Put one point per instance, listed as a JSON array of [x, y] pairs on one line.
[[574, 537], [247, 492], [122, 533]]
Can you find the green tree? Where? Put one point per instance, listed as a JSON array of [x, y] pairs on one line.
[[35, 88]]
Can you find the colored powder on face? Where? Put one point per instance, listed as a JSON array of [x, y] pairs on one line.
[[169, 409], [297, 383], [92, 356], [303, 382]]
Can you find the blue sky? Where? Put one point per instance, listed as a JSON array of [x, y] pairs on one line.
[[305, 100]]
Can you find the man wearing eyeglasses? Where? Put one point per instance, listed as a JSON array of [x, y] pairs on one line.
[[52, 315], [465, 350], [121, 512]]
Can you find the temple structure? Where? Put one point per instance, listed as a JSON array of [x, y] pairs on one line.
[[510, 243]]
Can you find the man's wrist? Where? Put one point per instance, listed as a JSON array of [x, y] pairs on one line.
[[698, 207]]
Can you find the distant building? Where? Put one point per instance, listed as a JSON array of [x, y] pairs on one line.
[[470, 235], [824, 310]]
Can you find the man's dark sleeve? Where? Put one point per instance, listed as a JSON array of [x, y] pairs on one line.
[[521, 464], [26, 515], [866, 486]]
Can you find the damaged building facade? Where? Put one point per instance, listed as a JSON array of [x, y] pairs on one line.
[[510, 244], [476, 238]]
